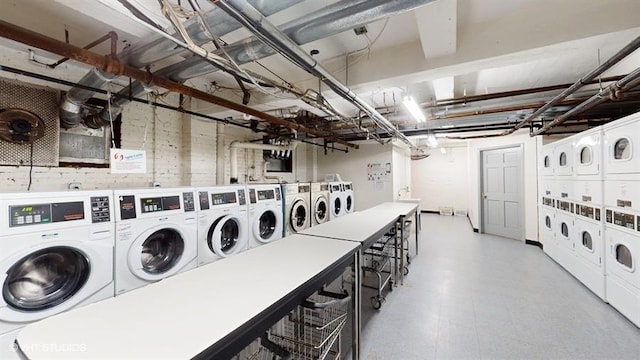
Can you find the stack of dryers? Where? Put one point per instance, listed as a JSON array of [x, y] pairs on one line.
[[223, 224], [56, 254], [588, 198], [156, 235], [348, 196], [336, 199], [319, 203], [563, 172], [265, 214], [297, 212], [547, 202], [622, 214]]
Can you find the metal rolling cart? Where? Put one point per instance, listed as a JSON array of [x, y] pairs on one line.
[[313, 330], [377, 260]]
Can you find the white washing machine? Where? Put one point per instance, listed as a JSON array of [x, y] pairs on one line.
[[223, 223], [587, 148], [546, 161], [336, 200], [589, 247], [297, 209], [56, 253], [623, 275], [546, 229], [349, 197], [265, 214], [565, 234], [622, 148], [588, 191], [319, 203], [564, 158], [156, 235]]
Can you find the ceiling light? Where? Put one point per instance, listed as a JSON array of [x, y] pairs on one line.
[[432, 141], [443, 88], [414, 109]]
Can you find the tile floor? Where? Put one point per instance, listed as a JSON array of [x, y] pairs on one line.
[[475, 296]]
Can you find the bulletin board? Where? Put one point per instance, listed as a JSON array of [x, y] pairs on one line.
[[379, 172]]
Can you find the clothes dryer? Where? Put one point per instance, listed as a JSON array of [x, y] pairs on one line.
[[622, 148], [336, 200], [156, 235], [565, 234], [623, 275], [587, 149], [297, 211], [319, 203], [265, 214], [546, 229], [589, 247], [349, 197], [223, 224], [56, 254], [564, 158], [546, 164]]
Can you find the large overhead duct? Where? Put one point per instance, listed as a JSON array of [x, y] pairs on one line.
[[331, 20], [251, 18], [150, 52]]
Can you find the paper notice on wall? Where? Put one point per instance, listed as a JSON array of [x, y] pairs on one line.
[[379, 172], [123, 161], [378, 186]]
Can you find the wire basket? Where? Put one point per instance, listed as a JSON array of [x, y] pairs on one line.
[[263, 349], [312, 330]]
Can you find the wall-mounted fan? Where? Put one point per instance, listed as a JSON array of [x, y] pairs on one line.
[[20, 126]]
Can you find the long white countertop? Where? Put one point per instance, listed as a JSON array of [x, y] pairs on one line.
[[404, 208], [179, 317]]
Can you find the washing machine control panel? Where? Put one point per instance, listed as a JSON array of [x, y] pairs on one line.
[[304, 189], [160, 203], [621, 219], [252, 196], [223, 198], [548, 202], [588, 212], [203, 197], [266, 195], [189, 201], [36, 214], [565, 206], [242, 200], [100, 209]]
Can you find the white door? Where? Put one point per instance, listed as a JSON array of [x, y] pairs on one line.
[[502, 192]]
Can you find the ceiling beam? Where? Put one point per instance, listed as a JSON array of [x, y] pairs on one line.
[[437, 26]]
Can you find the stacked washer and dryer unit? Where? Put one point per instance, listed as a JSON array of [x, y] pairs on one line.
[[622, 214], [56, 254], [589, 210]]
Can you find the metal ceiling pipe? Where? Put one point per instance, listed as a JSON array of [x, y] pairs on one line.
[[31, 38], [331, 20], [611, 92], [150, 52], [270, 34], [624, 52], [235, 145]]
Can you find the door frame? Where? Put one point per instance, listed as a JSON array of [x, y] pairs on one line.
[[481, 186]]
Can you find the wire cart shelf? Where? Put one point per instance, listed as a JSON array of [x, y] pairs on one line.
[[377, 261], [313, 330]]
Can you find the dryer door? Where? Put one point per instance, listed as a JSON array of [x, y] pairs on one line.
[[158, 255], [320, 210], [299, 215], [348, 204], [622, 255], [224, 237], [337, 206], [45, 279]]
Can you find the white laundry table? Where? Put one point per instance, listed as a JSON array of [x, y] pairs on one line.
[[211, 312]]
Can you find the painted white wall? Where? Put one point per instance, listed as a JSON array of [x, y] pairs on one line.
[[352, 166], [530, 177], [441, 180]]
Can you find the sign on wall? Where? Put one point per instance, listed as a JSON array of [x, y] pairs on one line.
[[379, 172], [128, 161]]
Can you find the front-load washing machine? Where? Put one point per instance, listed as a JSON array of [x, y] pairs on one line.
[[265, 214], [297, 211], [156, 235], [56, 253], [565, 234], [349, 197], [622, 148], [589, 247], [336, 200], [223, 224], [319, 203], [623, 275], [587, 149]]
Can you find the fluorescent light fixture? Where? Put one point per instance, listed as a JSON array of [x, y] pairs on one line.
[[443, 88], [414, 109], [443, 151], [432, 141]]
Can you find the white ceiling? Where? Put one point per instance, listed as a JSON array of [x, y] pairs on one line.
[[497, 45]]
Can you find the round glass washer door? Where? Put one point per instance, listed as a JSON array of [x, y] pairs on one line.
[[224, 236], [161, 251], [348, 203], [299, 216], [337, 206], [266, 225], [45, 278], [320, 212]]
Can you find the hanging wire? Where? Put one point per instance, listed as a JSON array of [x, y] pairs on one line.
[[113, 144]]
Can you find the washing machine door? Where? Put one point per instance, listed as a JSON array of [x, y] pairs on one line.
[[622, 255], [299, 215], [348, 203], [45, 279], [157, 255], [266, 227], [224, 237], [337, 206], [321, 210]]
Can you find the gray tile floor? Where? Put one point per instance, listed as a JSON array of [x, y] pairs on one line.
[[474, 296]]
